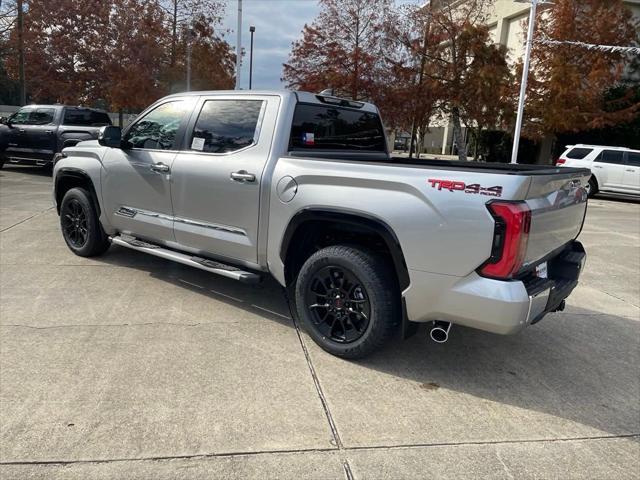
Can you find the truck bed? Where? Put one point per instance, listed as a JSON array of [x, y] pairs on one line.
[[432, 164]]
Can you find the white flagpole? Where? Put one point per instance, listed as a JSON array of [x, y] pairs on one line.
[[239, 46], [523, 83]]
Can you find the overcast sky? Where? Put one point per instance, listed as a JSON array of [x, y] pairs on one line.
[[278, 23]]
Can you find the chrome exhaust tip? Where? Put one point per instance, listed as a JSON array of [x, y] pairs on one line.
[[440, 331]]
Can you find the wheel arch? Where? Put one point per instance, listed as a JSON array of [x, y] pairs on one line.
[[68, 178], [314, 221]]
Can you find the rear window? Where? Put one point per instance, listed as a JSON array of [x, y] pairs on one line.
[[579, 153], [85, 118], [323, 127]]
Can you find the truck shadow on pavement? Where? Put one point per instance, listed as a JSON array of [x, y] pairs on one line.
[[580, 366]]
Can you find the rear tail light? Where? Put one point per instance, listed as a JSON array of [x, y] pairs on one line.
[[510, 239], [561, 161]]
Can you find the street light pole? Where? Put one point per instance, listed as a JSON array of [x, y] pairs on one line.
[[189, 38], [523, 83], [252, 29], [239, 45]]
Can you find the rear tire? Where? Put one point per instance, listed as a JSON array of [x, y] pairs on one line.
[[592, 189], [80, 225], [347, 300]]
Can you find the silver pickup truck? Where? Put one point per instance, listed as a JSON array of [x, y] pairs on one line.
[[302, 187]]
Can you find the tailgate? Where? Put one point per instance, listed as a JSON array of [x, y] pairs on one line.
[[558, 205]]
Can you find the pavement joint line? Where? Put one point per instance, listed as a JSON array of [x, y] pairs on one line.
[[26, 219], [492, 442], [619, 298], [316, 381], [205, 456], [323, 400], [347, 470]]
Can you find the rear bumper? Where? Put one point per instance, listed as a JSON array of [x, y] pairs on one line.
[[496, 306]]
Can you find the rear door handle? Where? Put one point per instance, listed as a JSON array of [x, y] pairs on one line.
[[630, 170], [597, 166], [160, 168], [48, 132], [243, 176]]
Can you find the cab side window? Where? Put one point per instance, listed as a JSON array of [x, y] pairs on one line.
[[611, 156], [225, 126], [84, 117], [633, 159], [158, 129]]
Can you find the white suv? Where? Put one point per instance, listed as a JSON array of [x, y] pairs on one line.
[[614, 169]]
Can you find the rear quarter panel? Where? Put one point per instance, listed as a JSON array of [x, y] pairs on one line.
[[440, 231]]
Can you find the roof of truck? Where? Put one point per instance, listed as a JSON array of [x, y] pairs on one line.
[[60, 105], [303, 97]]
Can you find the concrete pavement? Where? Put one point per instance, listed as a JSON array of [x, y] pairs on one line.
[[128, 366]]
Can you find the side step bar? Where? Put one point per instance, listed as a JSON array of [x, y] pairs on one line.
[[205, 264]]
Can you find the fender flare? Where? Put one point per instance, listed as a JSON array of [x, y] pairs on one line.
[[78, 174], [359, 219]]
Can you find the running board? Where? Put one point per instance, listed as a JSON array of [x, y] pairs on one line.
[[205, 264]]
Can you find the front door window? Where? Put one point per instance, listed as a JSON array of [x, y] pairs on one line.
[[158, 129]]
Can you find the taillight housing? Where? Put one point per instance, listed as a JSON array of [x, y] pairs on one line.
[[510, 239], [561, 161]]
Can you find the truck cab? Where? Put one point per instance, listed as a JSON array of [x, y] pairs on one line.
[[35, 133]]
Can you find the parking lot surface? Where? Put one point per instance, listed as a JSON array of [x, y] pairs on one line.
[[128, 366]]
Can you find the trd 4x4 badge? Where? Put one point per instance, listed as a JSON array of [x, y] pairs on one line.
[[474, 188]]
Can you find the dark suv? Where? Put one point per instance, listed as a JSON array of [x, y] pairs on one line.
[[35, 133]]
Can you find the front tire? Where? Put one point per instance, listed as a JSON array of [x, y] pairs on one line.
[[80, 225], [347, 300]]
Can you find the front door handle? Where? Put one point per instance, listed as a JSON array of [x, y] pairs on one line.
[[630, 170], [160, 168], [243, 176]]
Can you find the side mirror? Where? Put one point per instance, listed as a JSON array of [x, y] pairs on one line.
[[110, 136]]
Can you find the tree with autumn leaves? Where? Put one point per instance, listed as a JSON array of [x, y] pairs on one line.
[[341, 49], [571, 87], [471, 71], [415, 62], [439, 61], [118, 54]]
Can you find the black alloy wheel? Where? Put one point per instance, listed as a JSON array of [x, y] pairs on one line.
[[80, 225], [347, 298], [74, 223], [339, 304]]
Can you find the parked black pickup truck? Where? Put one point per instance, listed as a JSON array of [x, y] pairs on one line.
[[35, 133]]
